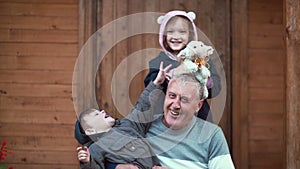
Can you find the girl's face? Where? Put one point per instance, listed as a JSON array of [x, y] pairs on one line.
[[177, 34]]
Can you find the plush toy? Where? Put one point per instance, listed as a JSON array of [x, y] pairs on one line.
[[193, 59]]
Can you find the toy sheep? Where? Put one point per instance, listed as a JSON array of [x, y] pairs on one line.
[[193, 59]]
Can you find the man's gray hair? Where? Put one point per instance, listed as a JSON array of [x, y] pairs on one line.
[[189, 77]]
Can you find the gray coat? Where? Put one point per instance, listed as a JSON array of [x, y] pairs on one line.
[[125, 143]]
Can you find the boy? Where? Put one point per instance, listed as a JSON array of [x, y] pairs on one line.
[[124, 143]]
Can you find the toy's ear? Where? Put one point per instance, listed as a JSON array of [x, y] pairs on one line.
[[192, 15], [160, 19]]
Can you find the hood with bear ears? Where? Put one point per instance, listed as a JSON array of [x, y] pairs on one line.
[[163, 20]]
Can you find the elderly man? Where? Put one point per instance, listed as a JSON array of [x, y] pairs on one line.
[[179, 138]]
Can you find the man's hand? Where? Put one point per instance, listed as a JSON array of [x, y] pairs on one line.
[[83, 154], [162, 74]]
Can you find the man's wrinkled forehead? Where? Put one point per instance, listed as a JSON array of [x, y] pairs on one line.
[[180, 85]]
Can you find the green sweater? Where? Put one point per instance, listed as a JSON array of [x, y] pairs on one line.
[[199, 145]]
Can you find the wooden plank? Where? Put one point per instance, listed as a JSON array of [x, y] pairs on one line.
[[43, 49], [42, 2], [204, 9], [265, 5], [265, 30], [107, 65], [272, 17], [265, 120], [34, 36], [266, 43], [221, 41], [179, 5], [49, 90], [265, 133], [266, 65], [37, 63], [45, 166], [150, 40], [37, 116], [266, 107], [292, 46], [37, 103], [121, 54], [267, 81], [165, 6], [39, 22], [40, 77], [136, 43], [37, 143], [38, 130], [266, 94], [267, 53], [266, 160], [43, 157], [240, 129], [266, 146], [31, 9]]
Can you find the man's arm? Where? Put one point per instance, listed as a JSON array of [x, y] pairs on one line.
[[219, 156], [149, 103]]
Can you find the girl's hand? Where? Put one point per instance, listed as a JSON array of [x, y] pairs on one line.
[[162, 74], [83, 154]]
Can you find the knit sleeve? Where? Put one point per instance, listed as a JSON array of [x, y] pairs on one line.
[[219, 156]]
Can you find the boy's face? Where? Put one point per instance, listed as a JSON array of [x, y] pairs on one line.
[[177, 32], [181, 103], [99, 121]]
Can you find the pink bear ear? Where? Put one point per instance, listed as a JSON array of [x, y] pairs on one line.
[[192, 15], [160, 19]]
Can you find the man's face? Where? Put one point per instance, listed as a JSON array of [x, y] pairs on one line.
[[177, 32], [181, 103], [100, 121]]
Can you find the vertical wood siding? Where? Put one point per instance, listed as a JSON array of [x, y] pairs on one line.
[[266, 72], [38, 50], [259, 125]]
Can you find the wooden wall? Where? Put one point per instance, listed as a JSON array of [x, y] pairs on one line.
[[38, 49], [259, 77]]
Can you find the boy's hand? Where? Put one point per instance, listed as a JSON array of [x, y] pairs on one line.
[[162, 74], [83, 154]]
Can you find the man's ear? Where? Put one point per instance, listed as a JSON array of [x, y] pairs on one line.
[[90, 131], [199, 105]]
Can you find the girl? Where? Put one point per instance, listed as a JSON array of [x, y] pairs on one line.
[[177, 29]]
